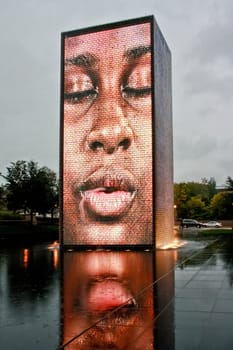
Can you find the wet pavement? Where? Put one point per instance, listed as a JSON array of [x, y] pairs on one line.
[[184, 303], [177, 299], [204, 299]]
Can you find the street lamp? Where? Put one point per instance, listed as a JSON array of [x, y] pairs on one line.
[[175, 212]]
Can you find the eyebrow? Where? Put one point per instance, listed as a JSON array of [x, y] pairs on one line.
[[137, 52], [82, 60], [88, 60]]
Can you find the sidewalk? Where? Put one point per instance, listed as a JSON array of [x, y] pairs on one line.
[[203, 302]]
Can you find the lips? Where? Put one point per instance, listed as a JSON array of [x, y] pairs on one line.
[[108, 193], [108, 294]]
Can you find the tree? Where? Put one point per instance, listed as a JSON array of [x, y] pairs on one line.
[[211, 187], [31, 188], [48, 186], [16, 179], [229, 183], [181, 196], [2, 197], [221, 206], [192, 198], [196, 208]]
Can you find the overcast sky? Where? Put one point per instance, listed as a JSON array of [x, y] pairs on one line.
[[200, 36]]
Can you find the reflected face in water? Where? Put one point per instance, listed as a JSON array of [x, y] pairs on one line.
[[101, 291], [108, 137]]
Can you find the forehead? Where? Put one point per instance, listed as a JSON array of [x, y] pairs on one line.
[[113, 40]]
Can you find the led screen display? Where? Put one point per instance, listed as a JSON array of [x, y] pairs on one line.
[[106, 131]]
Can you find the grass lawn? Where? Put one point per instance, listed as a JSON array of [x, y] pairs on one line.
[[216, 232]]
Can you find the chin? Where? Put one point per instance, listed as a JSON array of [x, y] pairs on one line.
[[120, 233]]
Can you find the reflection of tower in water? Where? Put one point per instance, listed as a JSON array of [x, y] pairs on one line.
[[110, 300], [164, 299]]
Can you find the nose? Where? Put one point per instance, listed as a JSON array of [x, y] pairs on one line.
[[110, 134]]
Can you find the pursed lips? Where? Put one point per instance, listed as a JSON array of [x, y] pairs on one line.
[[107, 294], [108, 193]]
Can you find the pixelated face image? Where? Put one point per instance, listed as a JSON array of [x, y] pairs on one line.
[[107, 137], [108, 300]]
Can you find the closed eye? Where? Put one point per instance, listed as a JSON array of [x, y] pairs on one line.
[[129, 92], [80, 96]]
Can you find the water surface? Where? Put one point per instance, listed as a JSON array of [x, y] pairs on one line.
[[29, 298]]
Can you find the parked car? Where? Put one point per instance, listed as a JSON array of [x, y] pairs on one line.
[[191, 223], [213, 224]]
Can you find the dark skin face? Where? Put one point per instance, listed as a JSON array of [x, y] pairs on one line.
[[108, 137], [108, 286]]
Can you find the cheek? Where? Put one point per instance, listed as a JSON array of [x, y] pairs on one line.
[[72, 137], [143, 138], [144, 159], [72, 154]]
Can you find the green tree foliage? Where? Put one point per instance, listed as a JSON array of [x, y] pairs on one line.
[[181, 196], [229, 183], [16, 178], [192, 198], [210, 185], [221, 206], [196, 208], [2, 197], [31, 188], [48, 187]]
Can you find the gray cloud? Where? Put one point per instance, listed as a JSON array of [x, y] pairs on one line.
[[210, 54], [206, 81], [214, 42]]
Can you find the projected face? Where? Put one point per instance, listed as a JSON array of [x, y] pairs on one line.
[[108, 300], [107, 177]]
